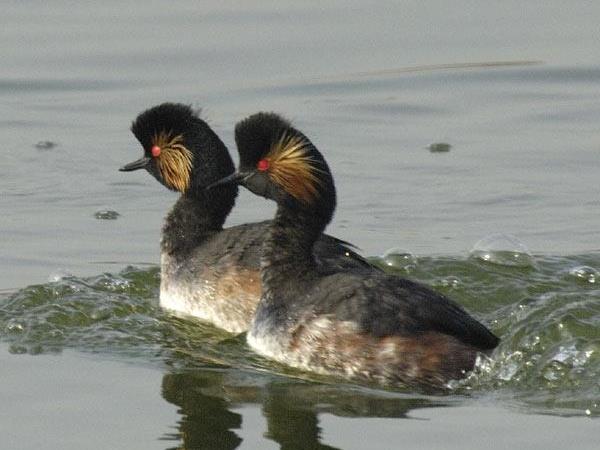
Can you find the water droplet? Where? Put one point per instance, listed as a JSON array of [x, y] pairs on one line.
[[439, 147], [399, 259], [106, 214], [502, 249], [585, 273], [45, 145]]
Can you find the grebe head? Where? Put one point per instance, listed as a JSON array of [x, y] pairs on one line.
[[279, 163], [180, 149]]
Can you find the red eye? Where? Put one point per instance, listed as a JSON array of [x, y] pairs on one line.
[[155, 150], [263, 165]]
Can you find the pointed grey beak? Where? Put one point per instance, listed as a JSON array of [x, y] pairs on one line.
[[234, 178], [135, 165]]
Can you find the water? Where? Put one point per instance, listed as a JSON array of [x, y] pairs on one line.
[[513, 89], [548, 362]]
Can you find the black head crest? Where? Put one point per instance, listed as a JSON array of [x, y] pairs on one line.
[[270, 144]]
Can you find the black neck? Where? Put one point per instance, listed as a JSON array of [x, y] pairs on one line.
[[197, 215], [287, 252]]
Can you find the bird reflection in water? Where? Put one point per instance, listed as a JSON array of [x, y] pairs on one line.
[[207, 400]]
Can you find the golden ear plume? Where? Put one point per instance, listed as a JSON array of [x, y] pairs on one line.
[[292, 168], [174, 161]]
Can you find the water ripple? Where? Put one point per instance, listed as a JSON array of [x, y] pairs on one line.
[[547, 316]]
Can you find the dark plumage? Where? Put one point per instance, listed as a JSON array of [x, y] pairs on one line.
[[207, 271], [333, 320]]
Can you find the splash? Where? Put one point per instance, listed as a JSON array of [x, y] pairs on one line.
[[548, 319]]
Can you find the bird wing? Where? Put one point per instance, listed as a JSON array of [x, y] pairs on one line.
[[385, 305]]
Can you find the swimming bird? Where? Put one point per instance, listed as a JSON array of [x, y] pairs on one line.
[[207, 271], [369, 327]]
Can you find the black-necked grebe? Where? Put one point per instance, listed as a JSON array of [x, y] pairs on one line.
[[369, 327], [207, 271]]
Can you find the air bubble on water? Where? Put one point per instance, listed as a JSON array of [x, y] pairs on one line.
[[58, 275], [106, 214], [15, 326], [450, 281], [585, 273], [502, 249], [399, 259]]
